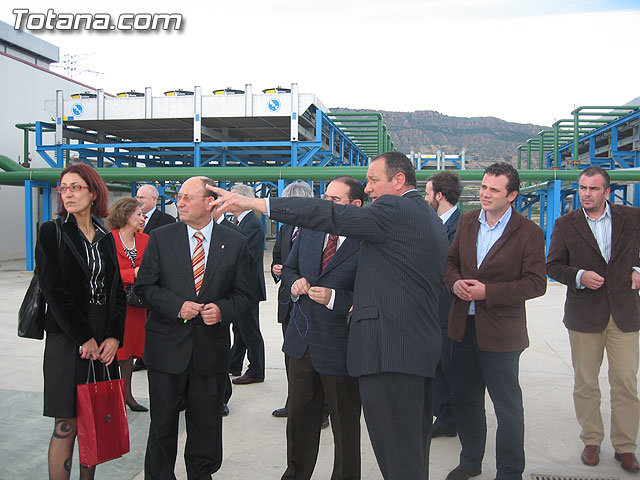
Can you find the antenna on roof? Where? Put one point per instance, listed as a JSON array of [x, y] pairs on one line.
[[71, 65]]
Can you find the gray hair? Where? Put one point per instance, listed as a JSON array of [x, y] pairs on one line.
[[297, 189], [244, 190], [153, 191]]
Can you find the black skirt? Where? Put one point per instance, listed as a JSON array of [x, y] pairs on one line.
[[64, 369]]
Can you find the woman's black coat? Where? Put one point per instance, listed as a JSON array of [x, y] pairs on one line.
[[64, 279]]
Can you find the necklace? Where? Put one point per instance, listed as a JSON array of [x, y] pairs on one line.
[[130, 251]]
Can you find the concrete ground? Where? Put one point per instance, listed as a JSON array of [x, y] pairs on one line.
[[254, 441]]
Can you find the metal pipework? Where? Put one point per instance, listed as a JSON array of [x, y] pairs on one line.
[[113, 174]]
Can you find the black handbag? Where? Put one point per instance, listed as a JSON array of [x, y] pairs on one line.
[[33, 308], [133, 300]]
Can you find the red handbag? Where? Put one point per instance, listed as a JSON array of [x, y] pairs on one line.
[[103, 431]]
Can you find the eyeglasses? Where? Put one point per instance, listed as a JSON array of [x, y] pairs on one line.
[[73, 188], [187, 198]]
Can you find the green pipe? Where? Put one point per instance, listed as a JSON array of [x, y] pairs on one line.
[[9, 165], [115, 174]]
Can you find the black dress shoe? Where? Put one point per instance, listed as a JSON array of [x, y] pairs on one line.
[[280, 412], [136, 407], [246, 380], [225, 410], [463, 473], [324, 422], [438, 431], [139, 365]]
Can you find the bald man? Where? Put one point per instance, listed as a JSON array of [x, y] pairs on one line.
[[153, 218]]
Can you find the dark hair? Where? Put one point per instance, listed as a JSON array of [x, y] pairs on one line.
[[100, 206], [211, 183], [448, 184], [503, 168], [397, 162], [593, 171], [356, 190], [120, 212]]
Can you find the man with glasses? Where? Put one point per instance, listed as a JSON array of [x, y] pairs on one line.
[[320, 274], [187, 331]]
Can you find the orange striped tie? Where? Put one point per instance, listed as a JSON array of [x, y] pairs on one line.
[[141, 230], [197, 262]]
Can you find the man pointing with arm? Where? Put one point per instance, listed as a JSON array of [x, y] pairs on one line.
[[394, 339]]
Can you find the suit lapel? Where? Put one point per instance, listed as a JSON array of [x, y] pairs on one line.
[[347, 248], [216, 251], [316, 240], [582, 227], [469, 246], [183, 256]]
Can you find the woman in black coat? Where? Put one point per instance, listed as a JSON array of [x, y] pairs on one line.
[[79, 275]]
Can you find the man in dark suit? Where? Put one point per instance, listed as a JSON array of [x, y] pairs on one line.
[[319, 274], [247, 337], [153, 218], [442, 192], [594, 252], [195, 277], [147, 195], [394, 339], [281, 248], [495, 263]]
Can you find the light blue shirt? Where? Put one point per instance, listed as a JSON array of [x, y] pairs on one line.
[[447, 215], [487, 237], [601, 229]]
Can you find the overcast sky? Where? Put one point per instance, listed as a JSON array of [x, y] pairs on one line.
[[528, 61]]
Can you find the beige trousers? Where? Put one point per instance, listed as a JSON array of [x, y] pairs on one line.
[[587, 351]]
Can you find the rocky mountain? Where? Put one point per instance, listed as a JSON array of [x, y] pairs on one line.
[[485, 139]]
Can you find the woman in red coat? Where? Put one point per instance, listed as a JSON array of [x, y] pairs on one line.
[[125, 220]]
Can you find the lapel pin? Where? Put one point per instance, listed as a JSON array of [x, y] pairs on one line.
[[222, 246]]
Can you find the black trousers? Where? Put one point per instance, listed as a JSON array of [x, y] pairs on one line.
[[443, 381], [307, 393], [476, 371], [248, 338], [398, 409], [202, 398]]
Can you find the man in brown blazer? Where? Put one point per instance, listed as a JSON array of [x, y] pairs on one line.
[[495, 263], [594, 252]]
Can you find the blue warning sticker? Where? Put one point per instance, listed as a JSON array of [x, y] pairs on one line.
[[77, 109], [274, 104]]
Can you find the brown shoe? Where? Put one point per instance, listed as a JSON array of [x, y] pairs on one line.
[[246, 380], [591, 455], [628, 461]]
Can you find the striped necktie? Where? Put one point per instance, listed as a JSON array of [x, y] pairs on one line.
[[295, 234], [145, 223], [197, 262], [329, 251]]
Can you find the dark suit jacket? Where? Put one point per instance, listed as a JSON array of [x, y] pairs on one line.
[[158, 219], [281, 249], [64, 279], [451, 225], [165, 281], [573, 247], [513, 271], [394, 326], [252, 229], [312, 325]]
